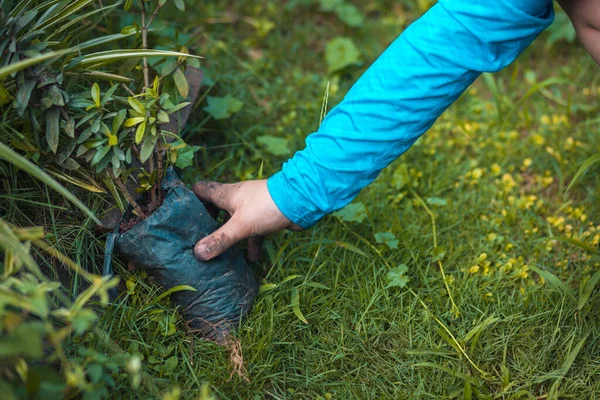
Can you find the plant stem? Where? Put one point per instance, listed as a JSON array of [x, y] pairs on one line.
[[145, 46], [159, 166], [153, 15], [128, 90], [128, 196]]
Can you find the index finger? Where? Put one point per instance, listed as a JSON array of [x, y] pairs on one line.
[[216, 193]]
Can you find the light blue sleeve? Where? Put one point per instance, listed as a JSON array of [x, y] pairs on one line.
[[400, 96]]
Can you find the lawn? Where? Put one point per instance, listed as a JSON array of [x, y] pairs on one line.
[[441, 280]]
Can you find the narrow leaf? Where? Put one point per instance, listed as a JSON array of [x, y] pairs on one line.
[[296, 305], [22, 163], [53, 128]]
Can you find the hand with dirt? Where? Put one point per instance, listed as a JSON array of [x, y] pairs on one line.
[[253, 214]]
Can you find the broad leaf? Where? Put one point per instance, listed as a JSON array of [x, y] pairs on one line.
[[185, 156], [355, 212], [275, 145], [341, 53], [181, 82], [397, 276], [388, 238], [223, 107]]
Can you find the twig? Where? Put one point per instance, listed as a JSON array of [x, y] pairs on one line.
[[128, 90], [145, 46], [127, 195], [153, 15]]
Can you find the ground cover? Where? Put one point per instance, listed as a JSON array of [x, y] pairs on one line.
[[439, 282]]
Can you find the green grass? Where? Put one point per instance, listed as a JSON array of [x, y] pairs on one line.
[[485, 158]]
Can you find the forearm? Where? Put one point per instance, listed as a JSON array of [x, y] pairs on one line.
[[585, 15], [400, 97]]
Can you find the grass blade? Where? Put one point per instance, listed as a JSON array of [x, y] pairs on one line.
[[175, 289], [587, 290], [21, 162], [456, 374], [296, 305], [584, 167], [28, 62], [575, 242], [553, 392], [553, 280]]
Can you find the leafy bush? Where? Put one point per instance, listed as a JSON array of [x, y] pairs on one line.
[[84, 108], [62, 104]]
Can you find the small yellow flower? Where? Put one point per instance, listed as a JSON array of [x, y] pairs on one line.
[[495, 169], [527, 162], [474, 269], [544, 119], [538, 139]]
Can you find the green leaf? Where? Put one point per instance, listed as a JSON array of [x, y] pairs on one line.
[[181, 82], [266, 287], [171, 364], [178, 107], [162, 117], [95, 371], [148, 147], [562, 371], [350, 15], [23, 96], [134, 121], [274, 145], [118, 121], [223, 107], [100, 153], [388, 238], [96, 94], [396, 276], [351, 248], [584, 167], [53, 128], [111, 56], [295, 303], [22, 163], [574, 242], [330, 5], [70, 128], [139, 132], [5, 96], [341, 53], [185, 156], [436, 201], [28, 62], [587, 290], [129, 29], [180, 5], [553, 280], [136, 105], [175, 289], [83, 320], [400, 177], [355, 212]]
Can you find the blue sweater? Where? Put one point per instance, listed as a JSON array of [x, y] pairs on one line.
[[399, 98]]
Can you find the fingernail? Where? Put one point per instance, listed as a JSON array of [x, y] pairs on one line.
[[203, 251]]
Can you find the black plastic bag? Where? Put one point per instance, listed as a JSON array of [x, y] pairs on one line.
[[163, 245]]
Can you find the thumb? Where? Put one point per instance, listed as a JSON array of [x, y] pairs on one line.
[[220, 240]]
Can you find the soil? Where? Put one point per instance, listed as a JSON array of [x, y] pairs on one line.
[[136, 219]]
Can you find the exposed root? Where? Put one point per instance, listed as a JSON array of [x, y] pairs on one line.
[[236, 358]]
